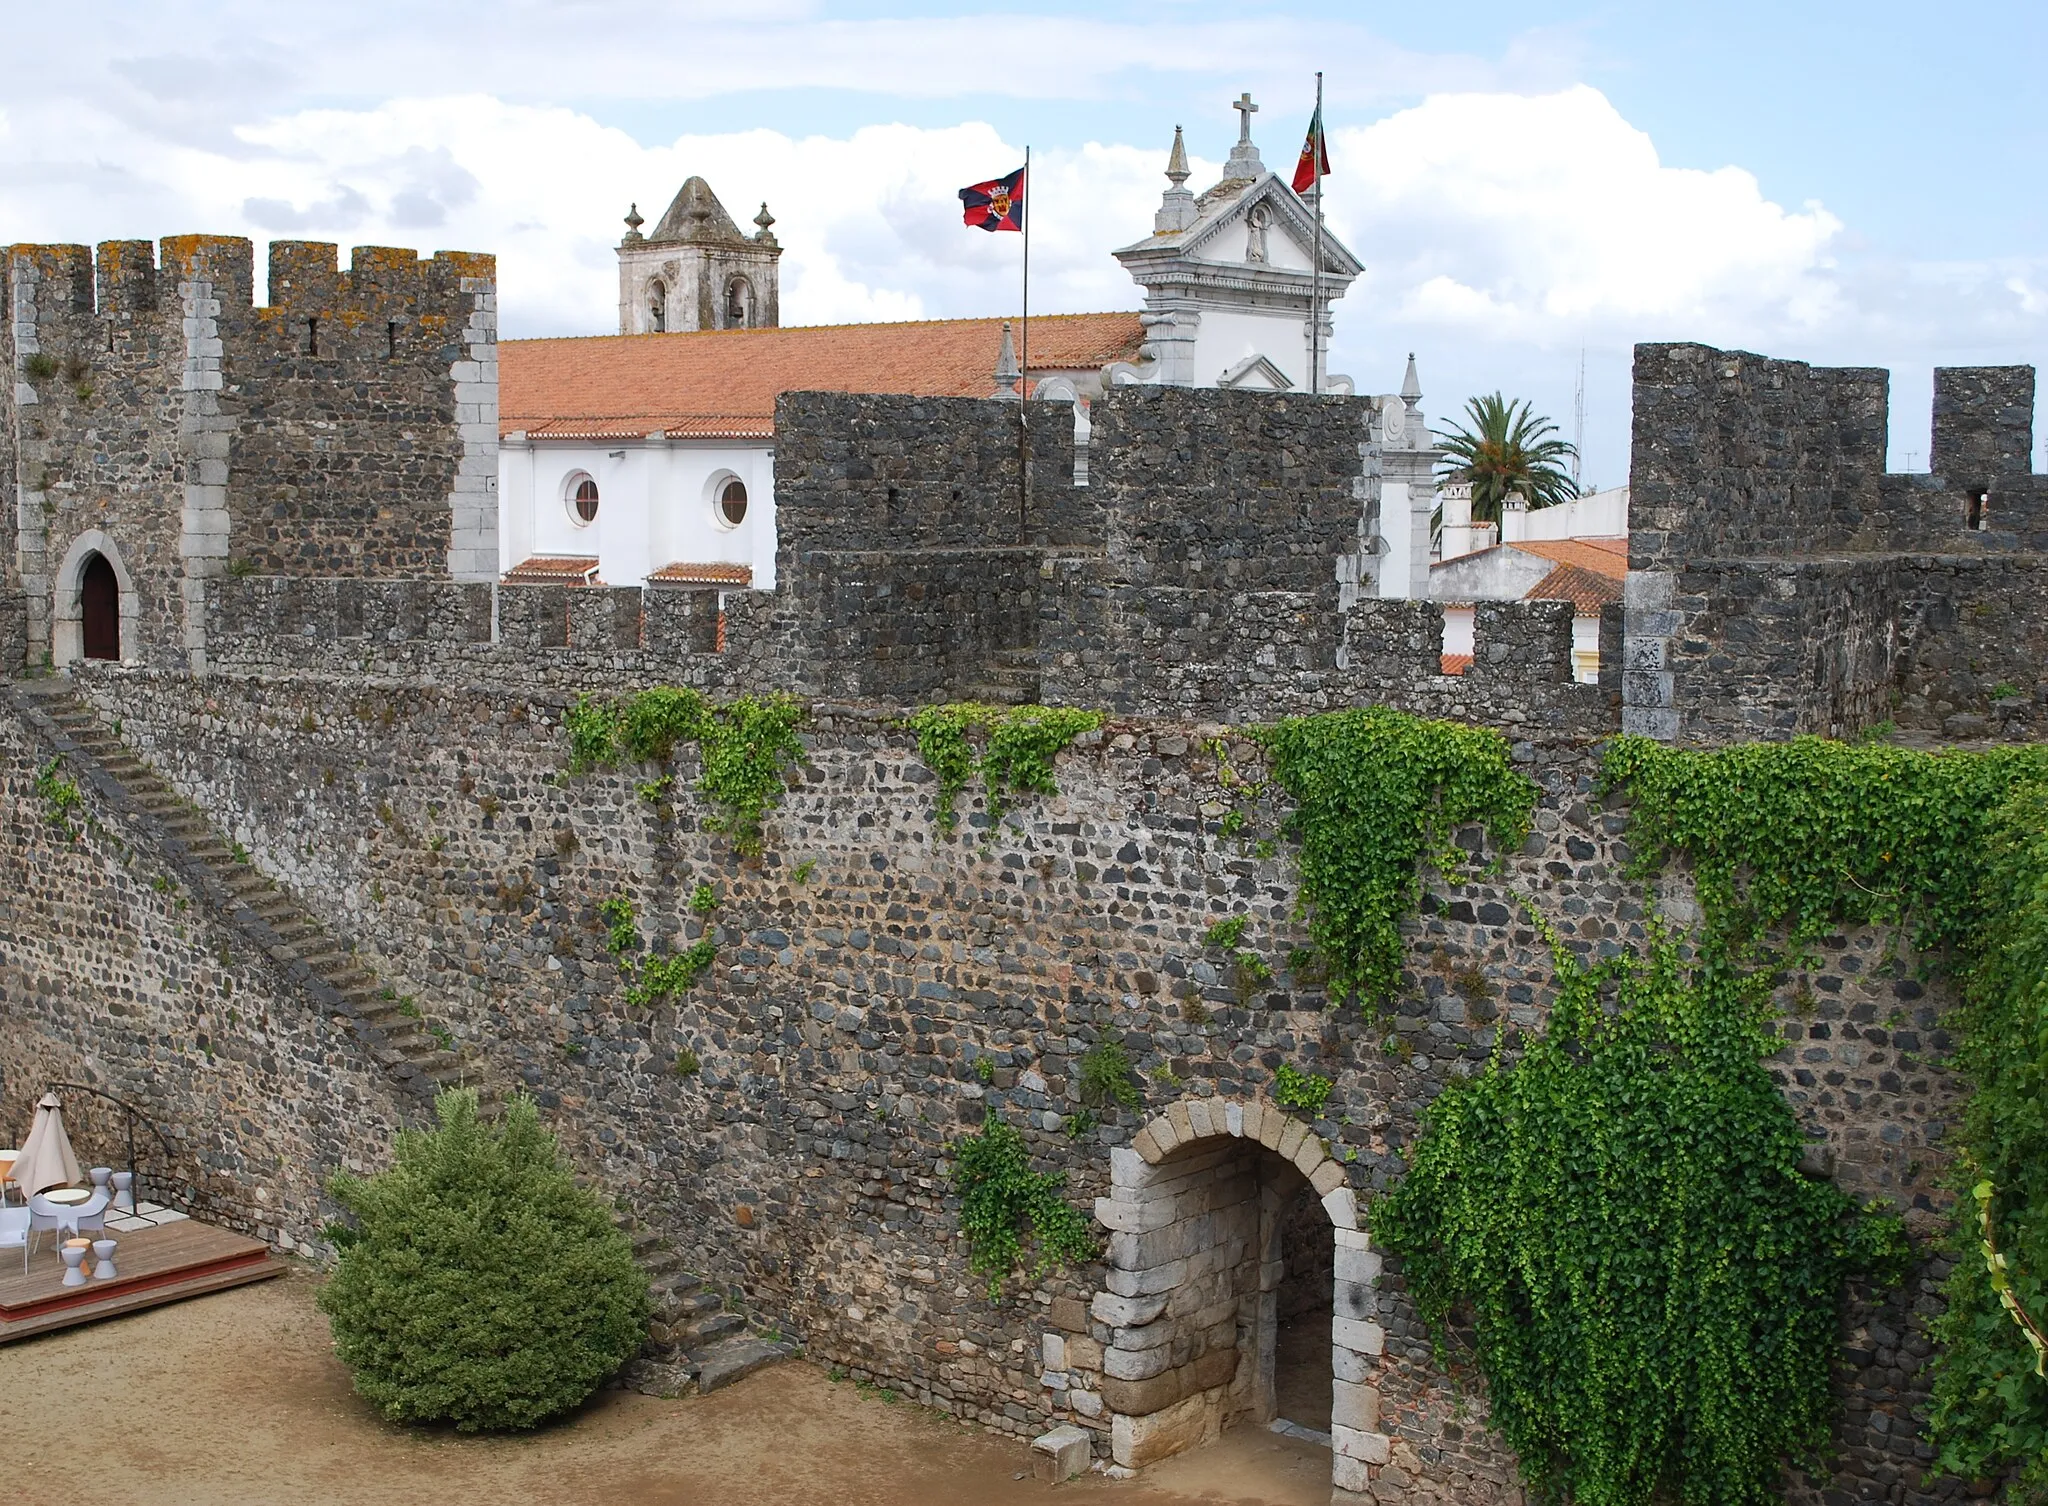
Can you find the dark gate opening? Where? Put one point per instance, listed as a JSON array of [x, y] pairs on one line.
[[99, 607], [1301, 1369]]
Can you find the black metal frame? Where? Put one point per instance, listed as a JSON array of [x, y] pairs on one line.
[[132, 1114]]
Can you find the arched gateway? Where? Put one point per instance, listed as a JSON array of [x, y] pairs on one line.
[[1199, 1213]]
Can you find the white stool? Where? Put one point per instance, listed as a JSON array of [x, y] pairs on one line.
[[100, 1176], [73, 1253], [124, 1192], [103, 1252]]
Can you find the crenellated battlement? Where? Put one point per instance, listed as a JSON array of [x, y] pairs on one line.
[[311, 483], [160, 420]]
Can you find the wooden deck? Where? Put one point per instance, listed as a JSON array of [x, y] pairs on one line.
[[159, 1265]]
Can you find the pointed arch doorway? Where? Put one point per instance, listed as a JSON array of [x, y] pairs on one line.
[[99, 608]]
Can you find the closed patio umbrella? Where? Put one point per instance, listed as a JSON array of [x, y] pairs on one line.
[[46, 1158]]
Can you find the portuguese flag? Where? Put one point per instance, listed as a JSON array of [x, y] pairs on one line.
[[997, 204], [1315, 153]]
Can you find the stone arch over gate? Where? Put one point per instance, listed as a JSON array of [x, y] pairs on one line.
[[1193, 1271], [69, 607]]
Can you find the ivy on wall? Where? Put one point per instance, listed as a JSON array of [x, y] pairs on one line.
[[1788, 840], [1376, 794], [1652, 1283], [1990, 1391], [745, 747], [1019, 744], [1001, 1197]]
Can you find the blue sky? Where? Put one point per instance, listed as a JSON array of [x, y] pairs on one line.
[[1849, 184]]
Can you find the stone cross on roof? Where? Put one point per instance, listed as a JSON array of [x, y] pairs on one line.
[[1244, 157]]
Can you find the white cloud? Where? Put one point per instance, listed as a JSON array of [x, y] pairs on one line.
[[1502, 231], [1551, 218]]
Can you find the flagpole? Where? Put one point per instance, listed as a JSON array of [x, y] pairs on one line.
[[1024, 373], [1025, 361], [1315, 312]]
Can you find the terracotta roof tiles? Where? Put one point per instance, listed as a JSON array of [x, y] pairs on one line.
[[723, 383]]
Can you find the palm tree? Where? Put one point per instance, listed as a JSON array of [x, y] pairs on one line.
[[1506, 449]]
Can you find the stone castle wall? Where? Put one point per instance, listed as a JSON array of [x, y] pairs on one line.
[[158, 415], [840, 1029], [1781, 582]]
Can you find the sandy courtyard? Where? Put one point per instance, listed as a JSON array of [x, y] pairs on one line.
[[237, 1398]]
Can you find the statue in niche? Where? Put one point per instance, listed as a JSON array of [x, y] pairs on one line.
[[1255, 226]]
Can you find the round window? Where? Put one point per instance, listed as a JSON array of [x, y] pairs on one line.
[[583, 501], [732, 502]]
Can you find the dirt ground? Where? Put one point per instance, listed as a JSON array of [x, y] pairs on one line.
[[237, 1398]]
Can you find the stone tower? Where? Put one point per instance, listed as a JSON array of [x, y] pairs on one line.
[[697, 271]]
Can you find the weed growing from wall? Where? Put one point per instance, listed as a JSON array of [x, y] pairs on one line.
[[1296, 1089], [1019, 744], [1376, 794], [1002, 1199], [744, 746], [1106, 1076], [60, 797], [1653, 1285]]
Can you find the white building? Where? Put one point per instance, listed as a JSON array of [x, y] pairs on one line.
[[649, 455]]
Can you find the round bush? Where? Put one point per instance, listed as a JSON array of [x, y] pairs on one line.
[[478, 1284]]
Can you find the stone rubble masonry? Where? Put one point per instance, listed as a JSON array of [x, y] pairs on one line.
[[1781, 582], [349, 429], [430, 824]]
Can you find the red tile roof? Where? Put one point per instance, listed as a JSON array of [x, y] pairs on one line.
[[1456, 664], [723, 383], [1587, 590], [681, 574], [554, 570], [1603, 556]]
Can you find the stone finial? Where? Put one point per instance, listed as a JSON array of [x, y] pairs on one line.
[[1007, 371], [1177, 205], [1411, 385], [765, 220], [633, 223], [1244, 157]]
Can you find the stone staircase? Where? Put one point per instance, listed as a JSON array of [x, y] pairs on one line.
[[271, 919], [694, 1339]]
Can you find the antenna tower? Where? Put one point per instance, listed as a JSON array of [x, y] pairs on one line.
[[1579, 419]]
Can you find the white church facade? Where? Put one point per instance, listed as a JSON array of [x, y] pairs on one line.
[[648, 456]]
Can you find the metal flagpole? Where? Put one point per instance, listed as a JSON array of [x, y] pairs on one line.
[[1024, 373], [1029, 189], [1315, 312]]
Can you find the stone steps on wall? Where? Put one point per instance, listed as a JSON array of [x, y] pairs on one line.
[[694, 1338], [219, 875]]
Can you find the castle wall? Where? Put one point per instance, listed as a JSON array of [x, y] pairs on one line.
[[840, 1029], [156, 414], [1782, 583], [115, 971]]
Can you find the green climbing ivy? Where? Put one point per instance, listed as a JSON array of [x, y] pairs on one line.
[[649, 980], [745, 747], [1019, 744], [1990, 1391], [1376, 794], [1804, 835], [1788, 840], [1001, 1198], [1653, 1285]]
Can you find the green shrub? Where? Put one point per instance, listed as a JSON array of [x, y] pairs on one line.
[[1000, 1196], [478, 1284], [1295, 1089]]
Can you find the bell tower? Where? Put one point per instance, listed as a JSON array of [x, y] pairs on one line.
[[697, 271]]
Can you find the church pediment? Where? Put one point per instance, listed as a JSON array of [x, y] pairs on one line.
[[1266, 224], [1255, 374]]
